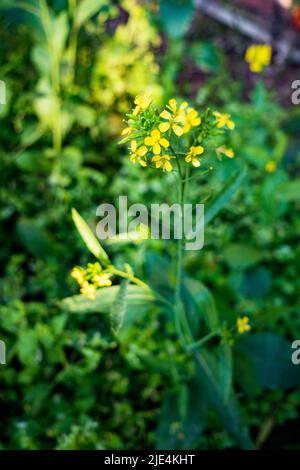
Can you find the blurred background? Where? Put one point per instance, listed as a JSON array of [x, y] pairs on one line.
[[71, 71]]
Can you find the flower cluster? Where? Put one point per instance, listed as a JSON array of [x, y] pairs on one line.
[[258, 56], [160, 136], [91, 278]]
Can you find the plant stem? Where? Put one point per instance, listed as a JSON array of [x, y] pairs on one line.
[[133, 279], [181, 321]]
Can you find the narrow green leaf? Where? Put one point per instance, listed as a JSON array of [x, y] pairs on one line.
[[118, 307], [182, 418], [227, 410], [205, 303], [89, 238], [231, 186], [86, 10]]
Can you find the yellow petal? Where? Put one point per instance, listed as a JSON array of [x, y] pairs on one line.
[[164, 142], [186, 128], [168, 166], [127, 131], [149, 141], [231, 125], [133, 145], [177, 130], [156, 149], [196, 163], [155, 135], [198, 150], [196, 122], [164, 126], [165, 114], [142, 151], [173, 104]]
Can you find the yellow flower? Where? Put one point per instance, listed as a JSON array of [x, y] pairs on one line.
[[78, 274], [88, 290], [271, 166], [174, 117], [137, 154], [258, 56], [223, 120], [102, 280], [226, 151], [127, 131], [192, 155], [191, 119], [155, 141], [141, 102], [163, 161], [243, 325]]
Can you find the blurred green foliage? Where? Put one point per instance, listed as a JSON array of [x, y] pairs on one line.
[[71, 71]]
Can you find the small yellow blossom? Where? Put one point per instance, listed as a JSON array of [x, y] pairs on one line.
[[142, 103], [174, 117], [156, 141], [88, 290], [127, 131], [163, 161], [223, 120], [137, 154], [102, 279], [78, 274], [191, 119], [258, 56], [225, 151], [271, 166], [243, 325], [193, 154]]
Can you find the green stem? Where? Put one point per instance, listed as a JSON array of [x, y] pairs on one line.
[[181, 321], [133, 279], [202, 341]]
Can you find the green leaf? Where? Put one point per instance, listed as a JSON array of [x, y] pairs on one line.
[[255, 283], [138, 301], [288, 191], [182, 418], [37, 240], [226, 409], [89, 238], [205, 303], [27, 347], [230, 188], [269, 361], [207, 56], [86, 10], [242, 256], [118, 307], [176, 16]]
